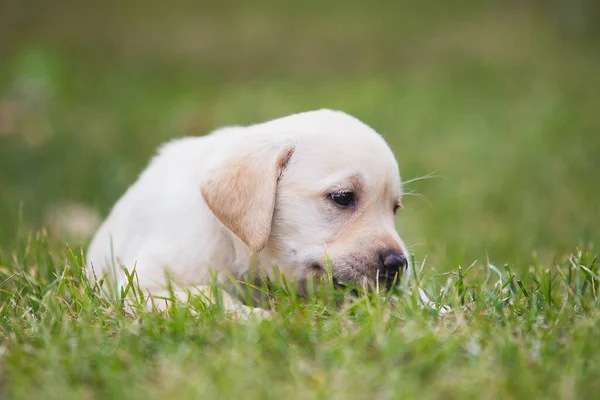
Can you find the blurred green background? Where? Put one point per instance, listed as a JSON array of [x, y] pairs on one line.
[[499, 100]]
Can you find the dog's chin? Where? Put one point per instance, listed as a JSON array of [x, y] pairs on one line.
[[364, 283], [356, 282], [367, 284]]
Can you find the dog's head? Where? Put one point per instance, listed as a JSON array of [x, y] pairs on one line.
[[310, 187]]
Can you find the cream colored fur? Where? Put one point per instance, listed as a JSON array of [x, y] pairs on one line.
[[208, 205]]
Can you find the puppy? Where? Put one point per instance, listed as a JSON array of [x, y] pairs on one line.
[[296, 192]]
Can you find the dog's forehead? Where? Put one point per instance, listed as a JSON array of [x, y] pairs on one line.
[[334, 146], [327, 131]]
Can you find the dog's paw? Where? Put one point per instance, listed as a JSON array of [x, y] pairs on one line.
[[442, 309], [243, 312]]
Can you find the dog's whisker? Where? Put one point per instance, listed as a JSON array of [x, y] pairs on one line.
[[421, 197], [431, 175], [413, 245]]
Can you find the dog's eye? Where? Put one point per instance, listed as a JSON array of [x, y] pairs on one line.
[[345, 199], [397, 207]]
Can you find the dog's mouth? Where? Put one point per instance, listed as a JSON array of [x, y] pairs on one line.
[[363, 283], [390, 281], [382, 283]]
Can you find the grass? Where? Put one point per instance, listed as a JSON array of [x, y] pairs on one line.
[[498, 103], [508, 336]]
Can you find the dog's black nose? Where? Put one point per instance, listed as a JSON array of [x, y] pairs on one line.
[[392, 263]]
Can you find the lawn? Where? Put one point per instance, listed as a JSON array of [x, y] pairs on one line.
[[492, 111]]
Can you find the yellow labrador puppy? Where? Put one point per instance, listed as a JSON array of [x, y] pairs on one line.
[[290, 193]]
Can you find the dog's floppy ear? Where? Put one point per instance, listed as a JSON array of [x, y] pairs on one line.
[[240, 190]]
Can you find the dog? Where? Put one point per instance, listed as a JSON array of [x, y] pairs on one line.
[[308, 192]]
